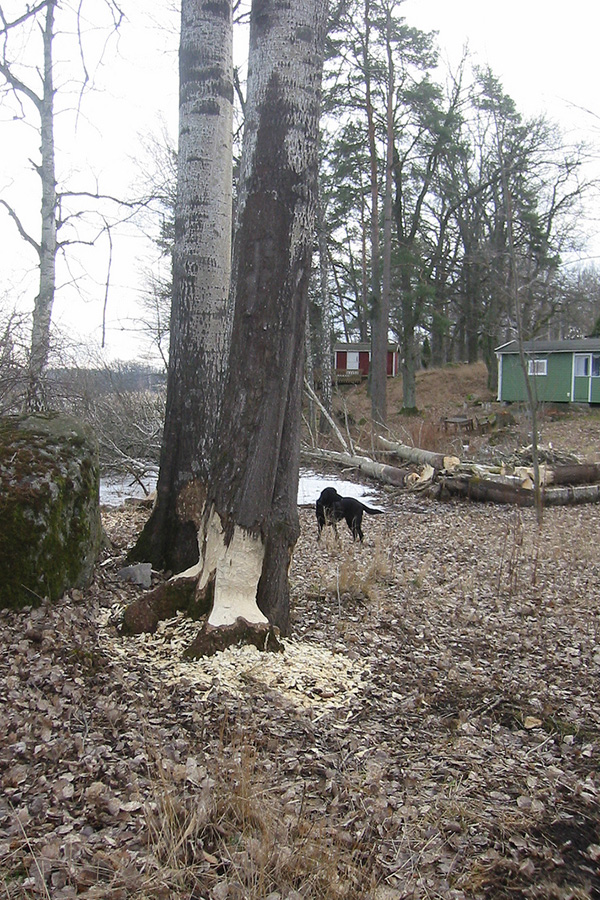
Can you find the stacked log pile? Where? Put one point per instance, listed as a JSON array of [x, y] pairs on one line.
[[563, 480]]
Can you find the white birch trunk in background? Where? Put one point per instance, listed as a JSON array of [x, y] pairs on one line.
[[42, 311], [202, 253], [201, 282]]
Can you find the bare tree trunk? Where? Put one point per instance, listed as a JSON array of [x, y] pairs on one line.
[[325, 350], [309, 374], [376, 318], [381, 309], [529, 384], [251, 521], [201, 283], [379, 471], [42, 312]]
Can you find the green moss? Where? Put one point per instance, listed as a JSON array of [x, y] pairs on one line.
[[50, 527]]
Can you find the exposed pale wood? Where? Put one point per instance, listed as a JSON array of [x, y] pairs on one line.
[[211, 639]]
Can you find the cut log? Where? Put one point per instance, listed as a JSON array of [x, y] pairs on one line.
[[586, 473], [571, 495], [485, 490], [420, 457], [378, 471]]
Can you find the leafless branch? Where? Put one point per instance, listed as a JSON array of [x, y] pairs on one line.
[[238, 89], [106, 287], [20, 227], [19, 86], [29, 14]]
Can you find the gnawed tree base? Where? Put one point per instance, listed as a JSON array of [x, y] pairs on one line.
[[212, 639], [232, 565], [223, 586]]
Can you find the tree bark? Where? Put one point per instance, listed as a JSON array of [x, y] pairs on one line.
[[419, 457], [251, 524], [378, 410], [42, 311], [488, 491], [381, 304], [201, 283], [325, 349]]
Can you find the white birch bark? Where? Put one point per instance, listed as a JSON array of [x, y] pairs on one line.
[[202, 256], [201, 283], [42, 312]]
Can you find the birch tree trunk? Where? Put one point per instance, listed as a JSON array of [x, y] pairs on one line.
[[251, 522], [201, 283], [47, 248]]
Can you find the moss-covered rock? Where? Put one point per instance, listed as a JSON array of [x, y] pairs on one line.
[[50, 528]]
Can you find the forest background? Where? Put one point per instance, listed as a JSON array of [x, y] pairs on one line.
[[103, 137]]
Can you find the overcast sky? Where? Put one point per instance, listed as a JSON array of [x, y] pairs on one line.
[[544, 53]]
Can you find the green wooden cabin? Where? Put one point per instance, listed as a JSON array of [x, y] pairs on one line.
[[566, 371]]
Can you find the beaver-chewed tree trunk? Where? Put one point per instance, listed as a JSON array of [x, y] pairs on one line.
[[244, 498], [250, 523]]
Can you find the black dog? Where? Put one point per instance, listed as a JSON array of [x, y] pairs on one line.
[[331, 508]]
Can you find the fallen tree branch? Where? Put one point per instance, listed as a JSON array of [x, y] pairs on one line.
[[379, 471], [420, 457], [311, 393]]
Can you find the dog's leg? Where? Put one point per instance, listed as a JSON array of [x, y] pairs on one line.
[[355, 528]]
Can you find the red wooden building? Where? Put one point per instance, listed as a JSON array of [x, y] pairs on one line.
[[352, 361]]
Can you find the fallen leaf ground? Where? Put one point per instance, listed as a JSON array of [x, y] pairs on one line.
[[431, 730]]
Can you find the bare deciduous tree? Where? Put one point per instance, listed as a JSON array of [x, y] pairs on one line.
[[38, 91]]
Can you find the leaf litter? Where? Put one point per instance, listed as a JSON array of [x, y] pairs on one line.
[[431, 729]]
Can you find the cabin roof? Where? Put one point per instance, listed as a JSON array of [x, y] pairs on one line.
[[570, 345], [362, 346]]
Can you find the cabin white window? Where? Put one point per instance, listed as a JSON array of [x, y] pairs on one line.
[[595, 365], [582, 367], [537, 367]]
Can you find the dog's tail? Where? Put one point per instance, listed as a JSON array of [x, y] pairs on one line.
[[372, 512]]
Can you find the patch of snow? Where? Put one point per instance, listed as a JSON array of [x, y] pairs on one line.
[[311, 484], [116, 489]]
